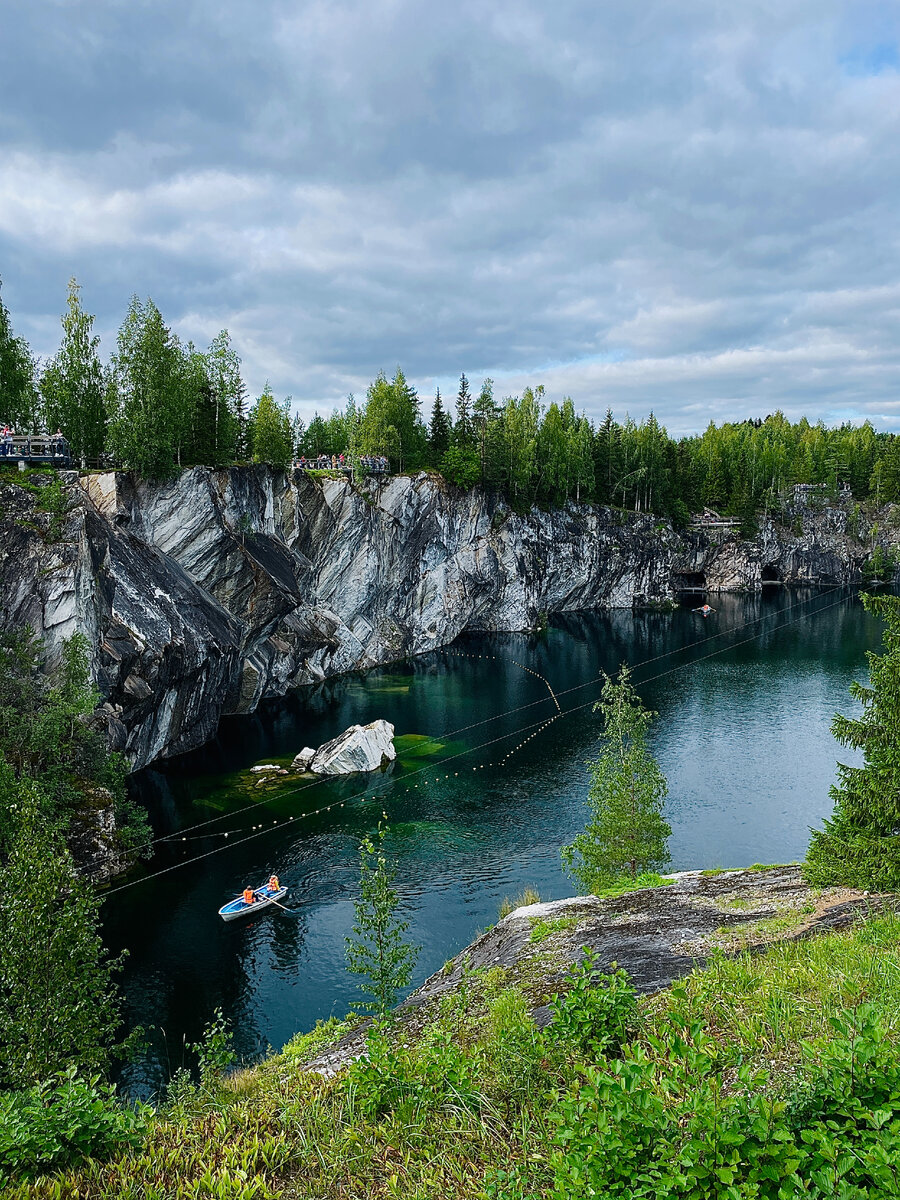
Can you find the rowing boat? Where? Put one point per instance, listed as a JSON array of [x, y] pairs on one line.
[[238, 907]]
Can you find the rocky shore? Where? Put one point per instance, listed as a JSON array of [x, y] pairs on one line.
[[658, 935], [203, 595]]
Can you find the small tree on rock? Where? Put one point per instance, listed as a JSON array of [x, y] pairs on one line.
[[626, 832], [860, 844], [378, 949]]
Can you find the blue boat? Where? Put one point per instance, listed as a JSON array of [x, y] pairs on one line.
[[262, 898]]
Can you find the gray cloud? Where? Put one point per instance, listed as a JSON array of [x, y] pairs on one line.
[[686, 208]]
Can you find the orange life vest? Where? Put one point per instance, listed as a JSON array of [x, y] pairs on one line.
[[274, 885], [248, 895]]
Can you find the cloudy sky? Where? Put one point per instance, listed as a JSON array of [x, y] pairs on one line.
[[689, 206]]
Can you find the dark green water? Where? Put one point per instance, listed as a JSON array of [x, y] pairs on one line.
[[743, 736]]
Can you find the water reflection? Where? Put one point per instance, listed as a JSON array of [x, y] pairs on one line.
[[743, 736]]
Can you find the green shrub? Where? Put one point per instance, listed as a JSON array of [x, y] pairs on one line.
[[598, 1011], [63, 1121]]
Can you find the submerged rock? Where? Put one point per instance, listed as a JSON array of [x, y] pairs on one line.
[[360, 748]]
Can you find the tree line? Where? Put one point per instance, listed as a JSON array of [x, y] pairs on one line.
[[159, 404]]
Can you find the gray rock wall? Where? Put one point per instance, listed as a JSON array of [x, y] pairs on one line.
[[204, 595]]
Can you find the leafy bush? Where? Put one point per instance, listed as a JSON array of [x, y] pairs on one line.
[[663, 1123], [62, 1121], [597, 1013]]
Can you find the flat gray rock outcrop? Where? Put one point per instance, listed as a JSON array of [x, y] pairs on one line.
[[658, 935]]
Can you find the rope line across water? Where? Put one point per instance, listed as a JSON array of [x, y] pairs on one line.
[[537, 726], [180, 835]]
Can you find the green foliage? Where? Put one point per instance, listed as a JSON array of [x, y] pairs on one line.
[[19, 403], [597, 1012], [62, 1121], [460, 467], [439, 430], [58, 1002], [215, 1050], [392, 425], [147, 419], [72, 383], [626, 831], [860, 844], [762, 1077], [46, 736], [378, 950], [664, 1123], [272, 433]]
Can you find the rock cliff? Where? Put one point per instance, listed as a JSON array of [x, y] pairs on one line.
[[205, 594]]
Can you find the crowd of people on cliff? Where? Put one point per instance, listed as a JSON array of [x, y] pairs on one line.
[[372, 464], [54, 443]]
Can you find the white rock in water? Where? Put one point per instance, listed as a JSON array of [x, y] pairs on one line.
[[360, 748], [265, 767], [304, 758]]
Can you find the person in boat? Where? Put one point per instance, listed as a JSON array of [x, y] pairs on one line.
[[274, 885], [249, 895]]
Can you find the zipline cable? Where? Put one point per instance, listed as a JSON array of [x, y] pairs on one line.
[[181, 835], [388, 783]]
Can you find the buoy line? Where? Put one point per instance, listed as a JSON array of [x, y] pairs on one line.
[[181, 835], [364, 797]]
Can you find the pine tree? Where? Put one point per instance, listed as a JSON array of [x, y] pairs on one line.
[[626, 832], [378, 949], [860, 844], [439, 431], [72, 383], [59, 1005]]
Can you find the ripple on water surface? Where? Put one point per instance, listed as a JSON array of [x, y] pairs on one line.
[[743, 737]]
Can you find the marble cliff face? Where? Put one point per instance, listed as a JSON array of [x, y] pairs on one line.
[[206, 594]]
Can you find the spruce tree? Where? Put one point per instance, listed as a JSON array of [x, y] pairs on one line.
[[860, 844], [439, 431], [378, 949], [626, 832], [462, 426]]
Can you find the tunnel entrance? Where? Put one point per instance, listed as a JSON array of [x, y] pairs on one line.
[[689, 583], [771, 576]]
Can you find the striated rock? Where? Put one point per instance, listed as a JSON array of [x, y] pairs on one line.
[[359, 748], [304, 758], [269, 768], [203, 595]]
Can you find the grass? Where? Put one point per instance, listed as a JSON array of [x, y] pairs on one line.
[[525, 898], [473, 1095], [541, 929]]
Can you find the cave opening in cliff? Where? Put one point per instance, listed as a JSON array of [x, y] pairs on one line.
[[689, 581], [771, 576]]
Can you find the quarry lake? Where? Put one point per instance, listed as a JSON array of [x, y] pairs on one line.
[[745, 700]]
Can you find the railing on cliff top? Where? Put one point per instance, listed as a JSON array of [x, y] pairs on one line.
[[35, 449]]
